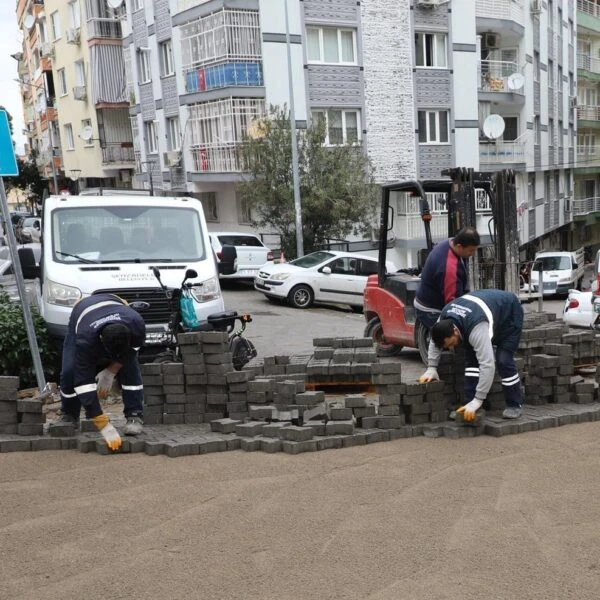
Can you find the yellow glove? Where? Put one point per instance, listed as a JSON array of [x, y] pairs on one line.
[[430, 374], [469, 410], [109, 433]]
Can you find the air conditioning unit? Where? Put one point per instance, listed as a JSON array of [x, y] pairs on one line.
[[573, 102], [80, 92], [536, 7], [73, 35], [427, 2], [48, 49], [491, 40], [172, 158]]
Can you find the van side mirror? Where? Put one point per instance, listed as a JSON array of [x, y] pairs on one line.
[[28, 266], [228, 260]]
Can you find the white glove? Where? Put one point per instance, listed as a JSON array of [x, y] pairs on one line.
[[430, 374], [104, 379], [109, 433], [468, 410]]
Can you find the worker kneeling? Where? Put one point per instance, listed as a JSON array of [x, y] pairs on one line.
[[102, 343], [481, 320]]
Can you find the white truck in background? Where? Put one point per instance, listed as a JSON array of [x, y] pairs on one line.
[[109, 244], [562, 270]]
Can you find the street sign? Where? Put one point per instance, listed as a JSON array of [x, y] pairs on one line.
[[8, 160]]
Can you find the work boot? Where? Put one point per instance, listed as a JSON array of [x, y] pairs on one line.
[[134, 426], [511, 412]]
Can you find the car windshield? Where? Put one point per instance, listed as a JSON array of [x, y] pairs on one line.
[[312, 259], [554, 263], [127, 234], [29, 222], [239, 240]]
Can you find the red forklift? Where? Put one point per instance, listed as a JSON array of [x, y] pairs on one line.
[[388, 301]]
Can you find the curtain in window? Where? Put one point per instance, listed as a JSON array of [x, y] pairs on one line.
[[351, 127], [422, 127], [330, 46], [347, 46], [443, 135], [312, 44], [336, 132], [440, 51]]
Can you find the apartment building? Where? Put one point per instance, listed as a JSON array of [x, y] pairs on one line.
[[91, 92], [586, 203], [37, 91]]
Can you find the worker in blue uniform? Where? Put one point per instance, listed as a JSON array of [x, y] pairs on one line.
[[103, 338], [481, 320]]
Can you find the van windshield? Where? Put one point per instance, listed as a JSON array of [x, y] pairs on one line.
[[127, 234], [555, 263]]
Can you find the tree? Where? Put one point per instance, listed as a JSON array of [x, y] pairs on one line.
[[10, 119], [29, 180], [337, 191]]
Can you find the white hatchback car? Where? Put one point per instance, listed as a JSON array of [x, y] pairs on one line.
[[326, 276], [251, 252], [578, 310]]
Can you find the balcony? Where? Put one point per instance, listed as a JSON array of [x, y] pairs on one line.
[[118, 152], [588, 113], [509, 10], [590, 8], [216, 158], [500, 152], [104, 28], [586, 206], [224, 75], [495, 76], [588, 63]]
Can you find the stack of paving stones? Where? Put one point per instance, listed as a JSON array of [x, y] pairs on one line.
[[9, 417], [30, 416]]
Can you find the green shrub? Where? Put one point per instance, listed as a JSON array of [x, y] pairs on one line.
[[15, 354]]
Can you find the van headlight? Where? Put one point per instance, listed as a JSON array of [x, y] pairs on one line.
[[207, 291], [61, 295]]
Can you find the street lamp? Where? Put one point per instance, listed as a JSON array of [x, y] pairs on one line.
[[46, 98], [295, 169], [74, 177], [149, 164]]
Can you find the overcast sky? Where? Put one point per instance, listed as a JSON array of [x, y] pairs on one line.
[[10, 42]]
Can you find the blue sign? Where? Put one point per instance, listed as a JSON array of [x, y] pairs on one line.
[[8, 161]]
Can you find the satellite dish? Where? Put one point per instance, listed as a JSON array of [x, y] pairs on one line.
[[29, 21], [515, 81], [87, 132], [114, 4], [493, 126]]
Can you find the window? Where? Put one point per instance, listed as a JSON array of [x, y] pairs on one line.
[[511, 129], [430, 49], [62, 82], [165, 50], [209, 205], [79, 73], [243, 210], [74, 14], [550, 73], [144, 71], [433, 127], [331, 45], [537, 135], [55, 20], [137, 5], [151, 138], [87, 123], [341, 126], [586, 144], [173, 134], [69, 136]]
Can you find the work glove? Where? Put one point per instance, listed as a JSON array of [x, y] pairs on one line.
[[430, 374], [109, 433], [104, 379], [469, 410]]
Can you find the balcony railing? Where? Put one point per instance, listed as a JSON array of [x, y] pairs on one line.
[[588, 113], [585, 206], [495, 76], [104, 28], [224, 75], [216, 158], [511, 10], [587, 62], [118, 153], [502, 152], [587, 153], [591, 8]]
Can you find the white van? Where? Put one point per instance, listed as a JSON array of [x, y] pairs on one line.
[[561, 271], [110, 243]]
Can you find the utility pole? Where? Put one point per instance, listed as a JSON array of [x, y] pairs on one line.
[[295, 168]]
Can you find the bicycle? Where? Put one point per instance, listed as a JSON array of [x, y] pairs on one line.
[[183, 319]]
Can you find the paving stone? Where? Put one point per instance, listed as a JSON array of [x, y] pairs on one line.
[[291, 447], [15, 445], [29, 405], [253, 444], [176, 449], [224, 425], [209, 446], [340, 427], [30, 429], [46, 443], [270, 445], [271, 430], [296, 434], [66, 430], [330, 442], [251, 429], [154, 448]]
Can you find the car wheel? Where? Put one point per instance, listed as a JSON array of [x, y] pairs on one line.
[[374, 330], [301, 296]]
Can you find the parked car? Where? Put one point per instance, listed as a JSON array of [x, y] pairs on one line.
[[29, 229], [8, 282], [251, 252], [326, 276], [578, 311]]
